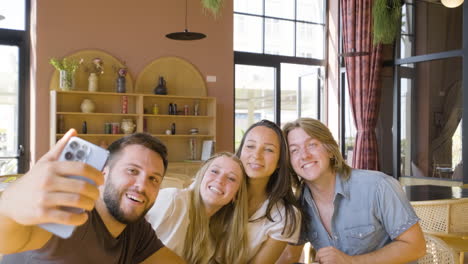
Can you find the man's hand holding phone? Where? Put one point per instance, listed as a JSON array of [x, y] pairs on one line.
[[46, 193]]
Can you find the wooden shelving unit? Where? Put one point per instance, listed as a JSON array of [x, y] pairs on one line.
[[185, 86], [65, 105]]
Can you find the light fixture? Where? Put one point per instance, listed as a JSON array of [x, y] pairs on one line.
[[186, 35], [2, 17], [452, 3]]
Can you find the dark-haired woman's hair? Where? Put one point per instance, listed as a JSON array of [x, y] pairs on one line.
[[281, 183]]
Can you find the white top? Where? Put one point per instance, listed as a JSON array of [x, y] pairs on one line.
[[259, 231], [169, 217]]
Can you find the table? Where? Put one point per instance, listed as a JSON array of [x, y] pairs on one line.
[[433, 192]]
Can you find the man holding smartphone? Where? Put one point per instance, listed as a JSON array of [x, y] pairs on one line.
[[111, 230]]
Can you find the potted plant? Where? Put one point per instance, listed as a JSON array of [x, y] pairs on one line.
[[386, 17], [67, 69], [213, 6]]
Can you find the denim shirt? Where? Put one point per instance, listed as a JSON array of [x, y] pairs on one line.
[[370, 211]]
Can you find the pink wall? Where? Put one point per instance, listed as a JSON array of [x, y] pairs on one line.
[[133, 31]]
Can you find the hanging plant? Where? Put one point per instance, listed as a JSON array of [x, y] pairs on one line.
[[213, 6], [387, 16]]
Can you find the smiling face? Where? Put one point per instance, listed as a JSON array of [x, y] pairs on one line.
[[220, 183], [260, 152], [309, 158], [132, 183]]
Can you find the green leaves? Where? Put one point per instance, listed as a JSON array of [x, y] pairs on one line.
[[386, 17], [65, 64], [213, 6]]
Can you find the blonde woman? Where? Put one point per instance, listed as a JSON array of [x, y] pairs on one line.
[[207, 222]]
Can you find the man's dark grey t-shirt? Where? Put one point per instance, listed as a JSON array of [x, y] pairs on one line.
[[92, 243]]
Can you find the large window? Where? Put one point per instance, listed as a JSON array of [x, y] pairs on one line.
[[14, 47], [279, 60], [280, 27], [430, 93]]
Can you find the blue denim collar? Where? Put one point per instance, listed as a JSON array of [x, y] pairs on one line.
[[341, 186]]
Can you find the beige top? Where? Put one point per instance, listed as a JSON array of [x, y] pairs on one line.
[[169, 217], [260, 231]]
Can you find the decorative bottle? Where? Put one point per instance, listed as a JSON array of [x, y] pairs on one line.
[[84, 128], [196, 108], [173, 129], [161, 88], [155, 109], [60, 124], [170, 109]]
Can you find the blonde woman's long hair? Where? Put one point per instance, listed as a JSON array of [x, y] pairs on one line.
[[223, 237], [317, 130]]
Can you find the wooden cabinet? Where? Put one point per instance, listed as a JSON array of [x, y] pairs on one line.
[[66, 113]]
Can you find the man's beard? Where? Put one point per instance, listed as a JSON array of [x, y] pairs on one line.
[[112, 200]]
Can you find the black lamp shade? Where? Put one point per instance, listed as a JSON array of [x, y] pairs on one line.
[[186, 35]]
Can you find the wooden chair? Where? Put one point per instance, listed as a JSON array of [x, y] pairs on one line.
[[446, 219], [437, 251]]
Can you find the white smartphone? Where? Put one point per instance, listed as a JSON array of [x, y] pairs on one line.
[[78, 149]]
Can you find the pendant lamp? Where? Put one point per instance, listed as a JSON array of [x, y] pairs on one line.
[[452, 3], [186, 35]]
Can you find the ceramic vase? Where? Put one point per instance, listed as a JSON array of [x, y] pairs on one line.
[[127, 126], [161, 88], [120, 85], [93, 82], [87, 106]]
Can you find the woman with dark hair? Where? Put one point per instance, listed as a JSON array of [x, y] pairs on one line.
[[274, 218]]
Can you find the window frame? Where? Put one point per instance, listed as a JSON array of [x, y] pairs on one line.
[[21, 39], [399, 72], [274, 61]]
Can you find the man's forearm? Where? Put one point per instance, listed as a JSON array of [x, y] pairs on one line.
[[13, 236], [393, 253]]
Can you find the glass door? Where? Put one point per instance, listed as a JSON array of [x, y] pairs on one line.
[[254, 97], [9, 109], [301, 91], [14, 83]]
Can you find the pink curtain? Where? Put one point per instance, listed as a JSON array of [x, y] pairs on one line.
[[363, 72]]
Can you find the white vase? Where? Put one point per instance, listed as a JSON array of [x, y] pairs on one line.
[[93, 82], [87, 106]]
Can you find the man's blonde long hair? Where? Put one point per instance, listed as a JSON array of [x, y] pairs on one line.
[[317, 130], [223, 237]]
